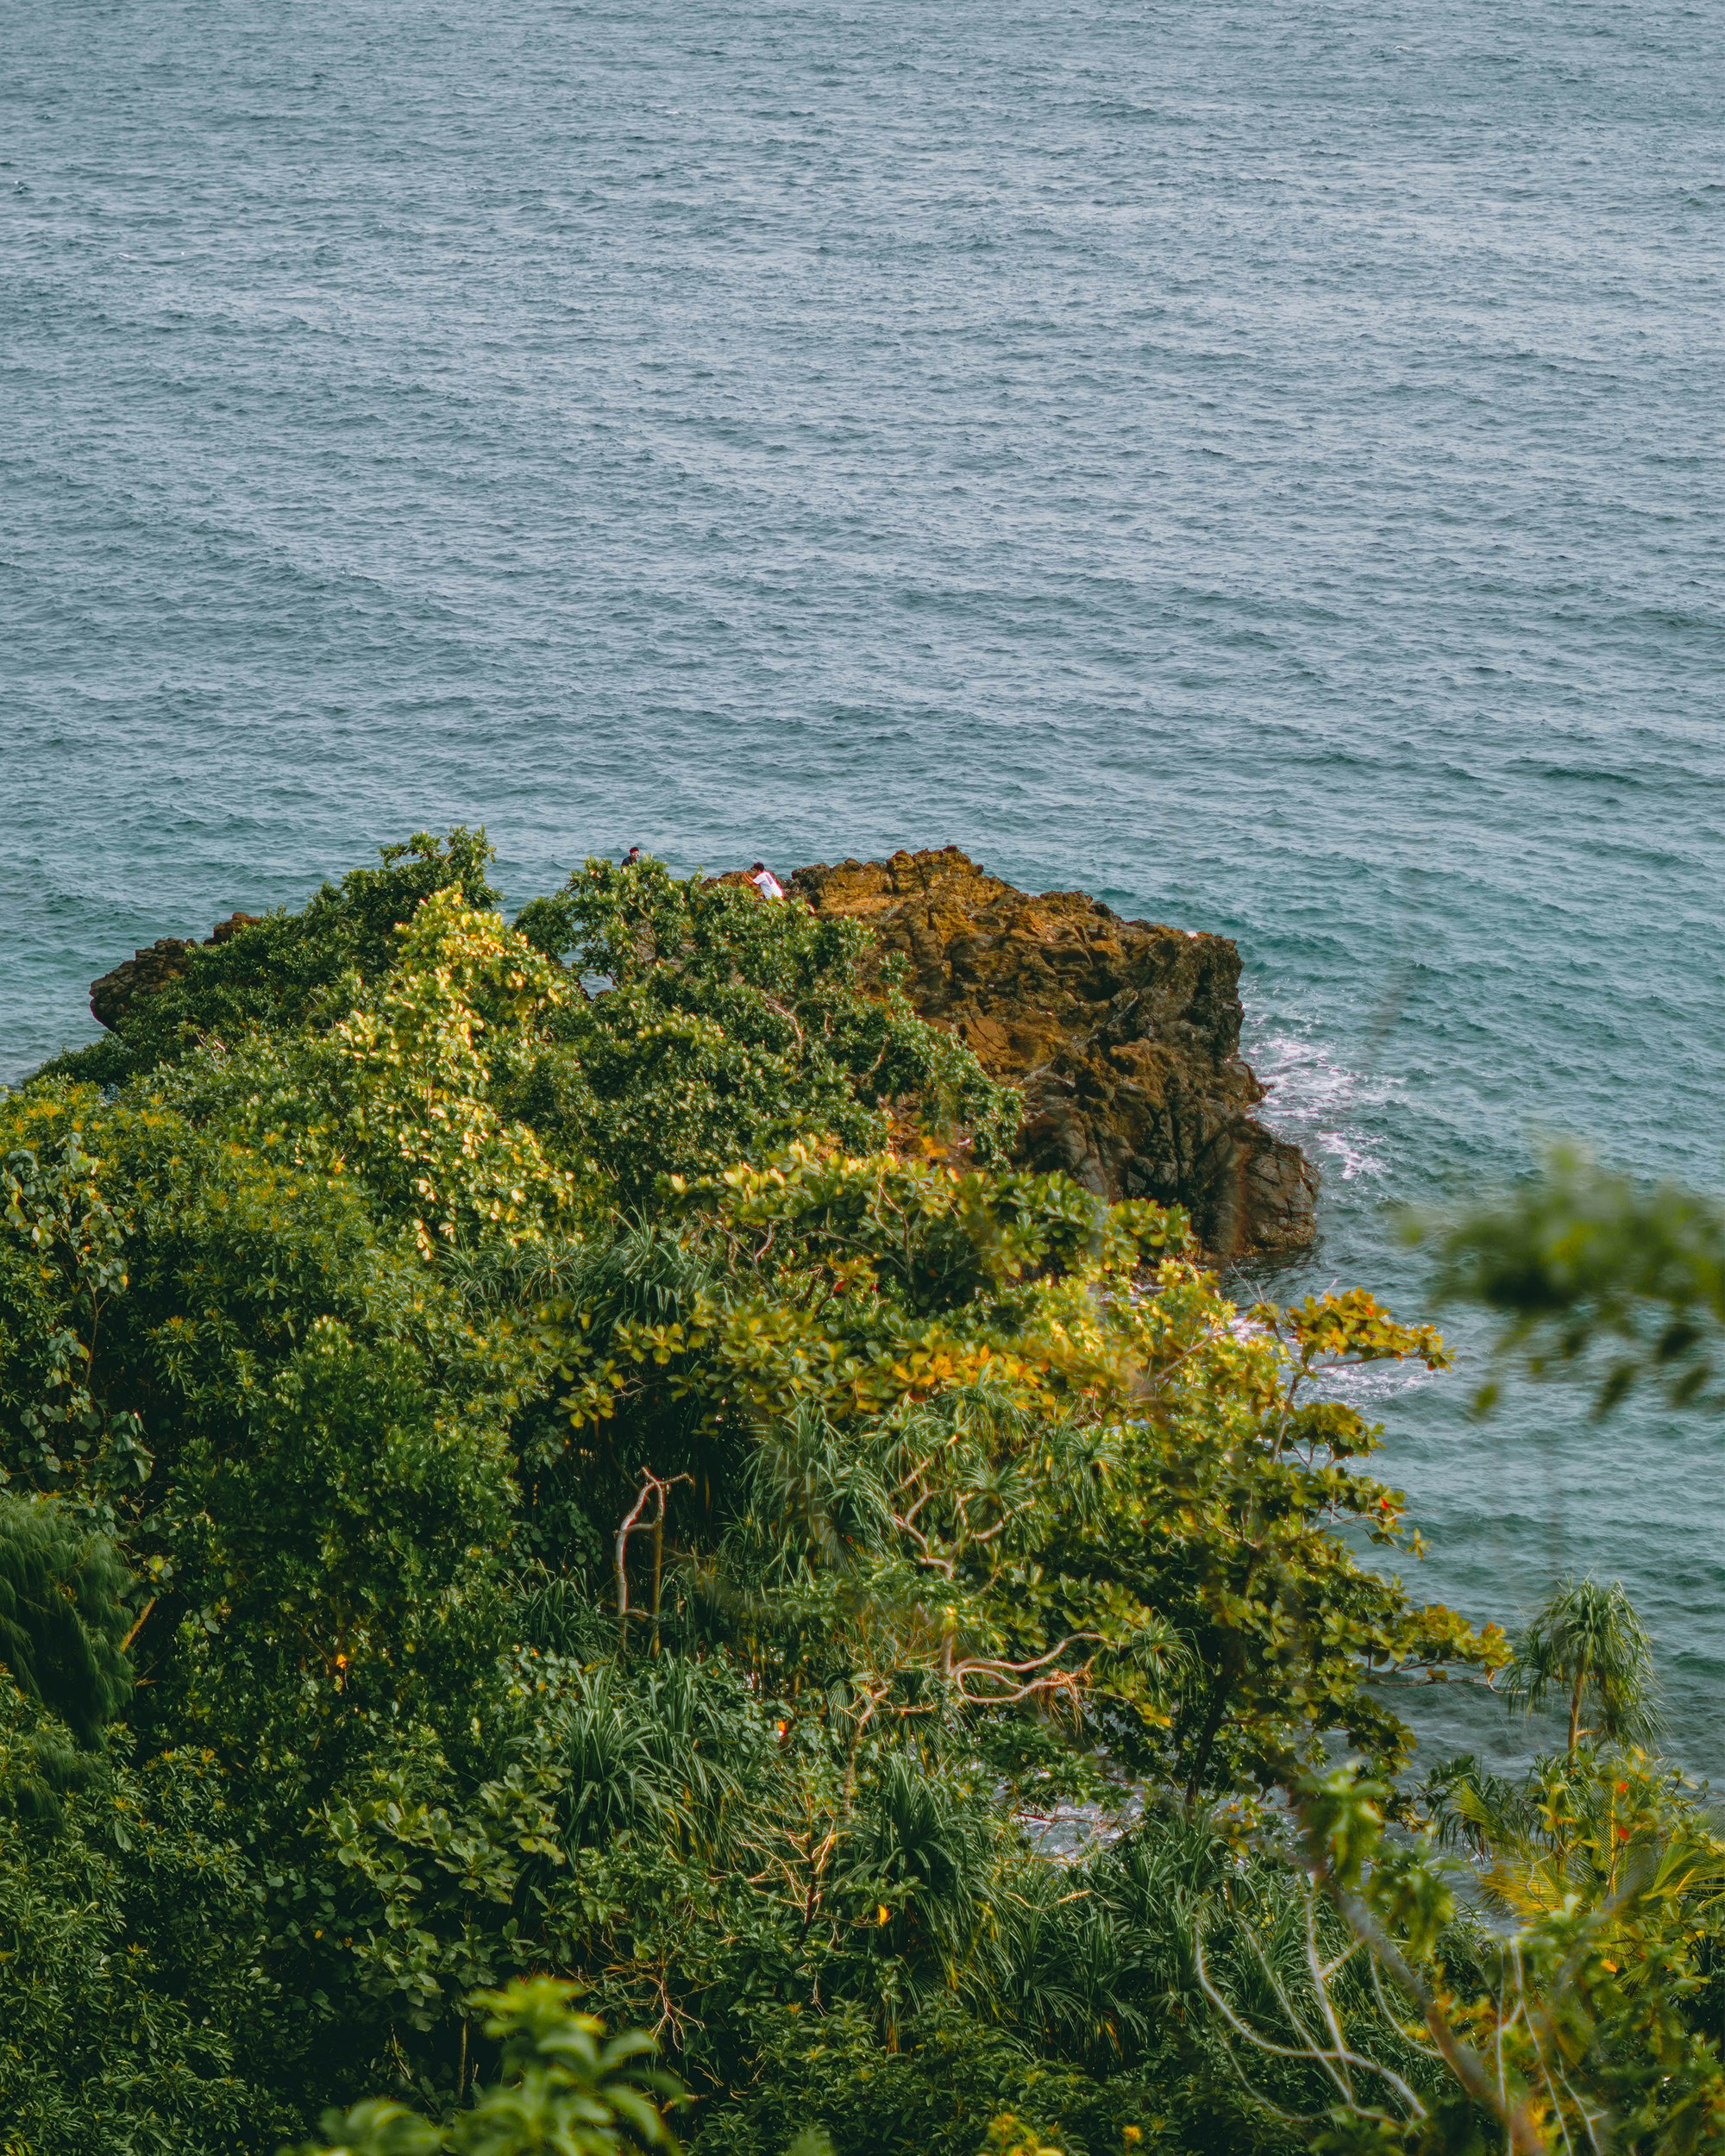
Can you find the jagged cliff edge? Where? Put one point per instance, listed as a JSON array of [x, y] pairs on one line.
[[1123, 1038]]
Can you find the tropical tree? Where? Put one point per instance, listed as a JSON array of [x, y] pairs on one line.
[[1587, 1648], [136, 1999], [943, 1428], [715, 1027], [288, 970]]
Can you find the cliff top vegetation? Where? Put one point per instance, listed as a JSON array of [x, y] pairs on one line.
[[567, 1454]]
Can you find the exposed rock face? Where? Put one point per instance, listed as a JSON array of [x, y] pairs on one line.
[[146, 971], [1123, 1038]]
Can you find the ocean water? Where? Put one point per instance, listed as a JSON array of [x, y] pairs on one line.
[[1259, 464]]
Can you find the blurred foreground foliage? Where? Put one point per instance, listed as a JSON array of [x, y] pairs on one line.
[[555, 1482], [1597, 1277]]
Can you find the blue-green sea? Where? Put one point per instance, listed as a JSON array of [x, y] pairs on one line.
[[1261, 464]]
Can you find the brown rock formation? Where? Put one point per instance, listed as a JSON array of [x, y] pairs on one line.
[[146, 971], [1123, 1038]]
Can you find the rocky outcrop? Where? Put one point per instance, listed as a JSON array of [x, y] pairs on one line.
[[1123, 1038], [146, 971]]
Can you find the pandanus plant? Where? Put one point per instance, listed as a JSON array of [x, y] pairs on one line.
[[1587, 1648]]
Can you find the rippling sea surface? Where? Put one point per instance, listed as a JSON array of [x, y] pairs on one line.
[[1259, 464]]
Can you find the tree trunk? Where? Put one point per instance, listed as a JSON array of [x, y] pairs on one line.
[[1207, 1735], [1575, 1709]]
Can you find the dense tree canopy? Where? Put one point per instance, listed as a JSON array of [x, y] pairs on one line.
[[560, 1450]]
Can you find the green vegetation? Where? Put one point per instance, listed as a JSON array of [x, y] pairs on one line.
[[560, 2087], [557, 1463]]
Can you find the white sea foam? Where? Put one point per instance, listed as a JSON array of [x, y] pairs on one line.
[[1322, 1103]]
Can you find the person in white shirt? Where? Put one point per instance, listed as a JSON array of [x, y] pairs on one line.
[[765, 882]]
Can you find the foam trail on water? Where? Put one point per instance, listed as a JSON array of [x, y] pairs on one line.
[[1317, 1100]]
